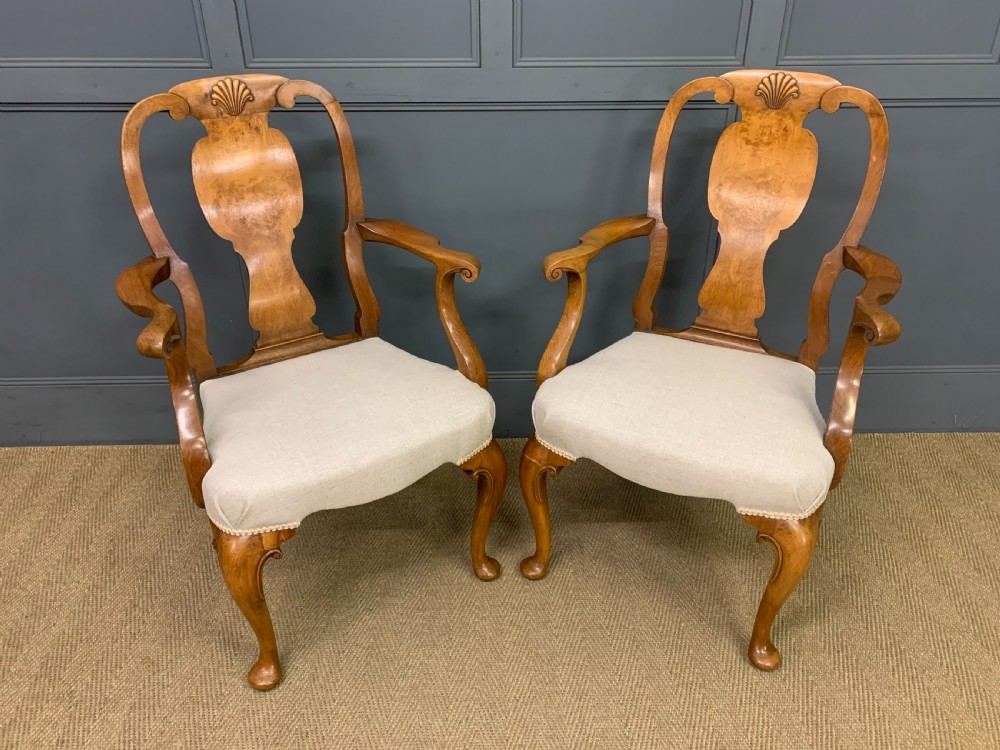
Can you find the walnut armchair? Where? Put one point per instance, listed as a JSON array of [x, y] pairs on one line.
[[710, 411], [304, 422]]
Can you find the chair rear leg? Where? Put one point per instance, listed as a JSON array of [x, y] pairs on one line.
[[489, 469], [793, 542], [537, 463], [242, 559]]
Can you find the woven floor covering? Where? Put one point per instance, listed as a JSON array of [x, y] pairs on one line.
[[116, 629]]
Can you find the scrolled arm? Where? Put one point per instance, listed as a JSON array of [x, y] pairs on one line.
[[882, 281], [420, 244], [598, 239], [161, 339], [574, 263], [448, 264], [871, 325], [135, 288]]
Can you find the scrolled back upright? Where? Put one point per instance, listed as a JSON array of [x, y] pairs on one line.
[[659, 238], [818, 337], [195, 335], [367, 310]]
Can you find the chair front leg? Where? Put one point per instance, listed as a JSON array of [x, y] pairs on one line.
[[793, 542], [537, 463], [489, 469], [242, 561]]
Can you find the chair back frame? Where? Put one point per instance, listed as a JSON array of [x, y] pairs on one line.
[[761, 176], [248, 184]]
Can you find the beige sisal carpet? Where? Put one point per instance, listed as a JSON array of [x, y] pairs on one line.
[[117, 631]]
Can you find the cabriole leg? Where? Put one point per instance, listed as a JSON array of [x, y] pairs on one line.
[[489, 469], [793, 542], [537, 463], [242, 559]]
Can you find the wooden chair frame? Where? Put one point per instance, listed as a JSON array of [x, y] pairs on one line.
[[774, 105], [280, 307]]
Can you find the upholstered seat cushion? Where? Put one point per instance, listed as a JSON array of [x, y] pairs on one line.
[[339, 427], [694, 419]]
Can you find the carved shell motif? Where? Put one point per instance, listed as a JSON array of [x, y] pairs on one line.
[[777, 89], [231, 95]]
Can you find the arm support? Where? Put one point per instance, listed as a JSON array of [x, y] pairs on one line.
[[574, 263], [448, 263], [161, 339], [871, 325]]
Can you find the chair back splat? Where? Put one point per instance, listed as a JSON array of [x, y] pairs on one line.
[[761, 176], [247, 181]]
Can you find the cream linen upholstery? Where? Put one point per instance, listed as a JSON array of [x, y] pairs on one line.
[[339, 427], [693, 419]]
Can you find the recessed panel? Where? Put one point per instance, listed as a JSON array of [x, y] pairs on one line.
[[102, 33], [360, 33], [889, 31], [629, 32]]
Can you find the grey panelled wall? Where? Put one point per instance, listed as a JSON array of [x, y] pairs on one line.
[[507, 128]]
